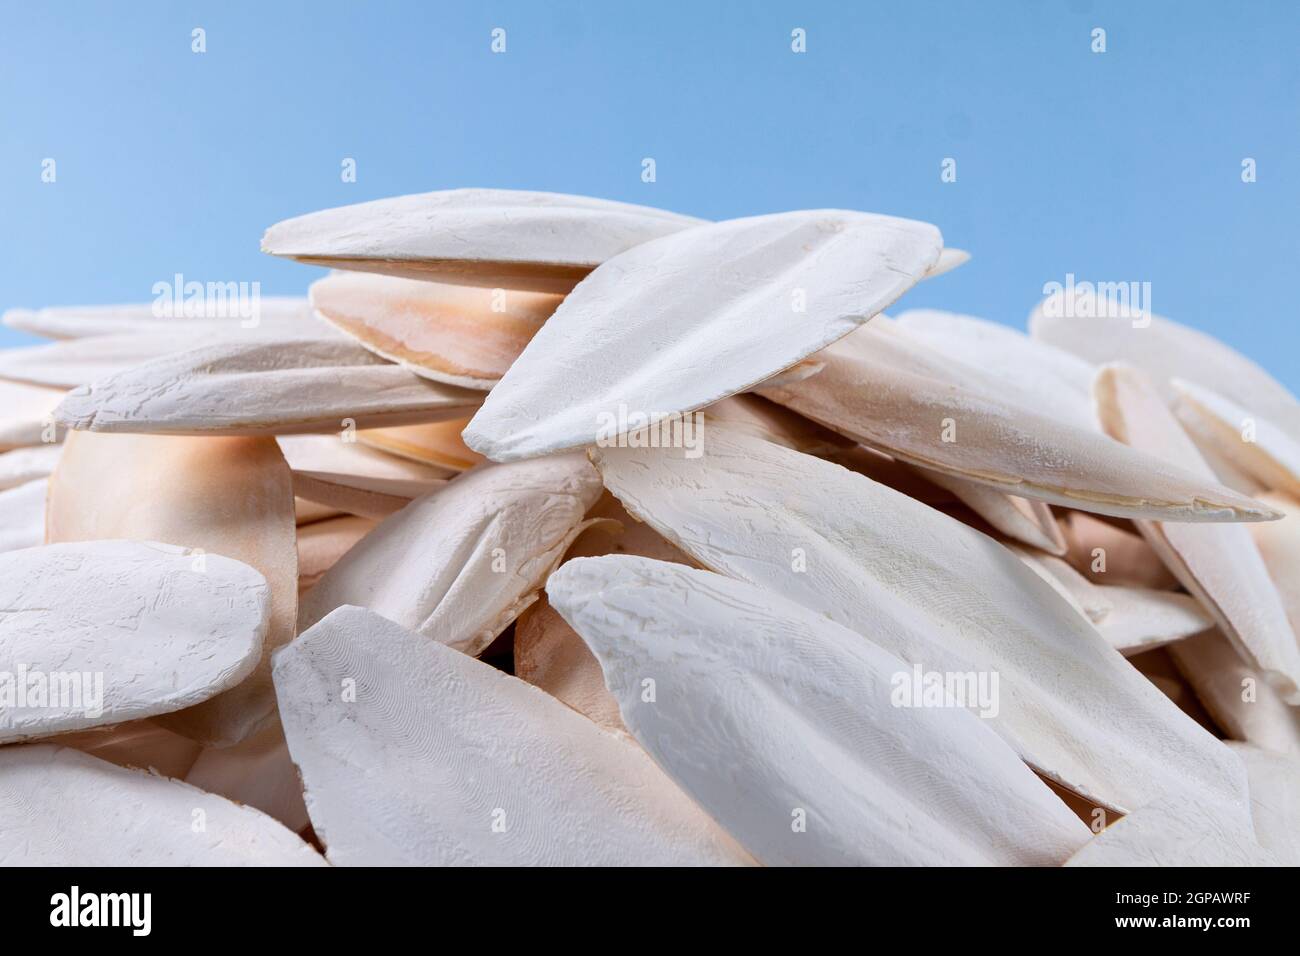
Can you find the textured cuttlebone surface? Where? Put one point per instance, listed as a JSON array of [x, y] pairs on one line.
[[1236, 695], [758, 416], [1165, 350], [61, 807], [270, 386], [81, 321], [458, 334], [460, 564], [257, 773], [936, 593], [1219, 564], [354, 478], [1183, 829], [549, 654], [22, 515], [1107, 554], [1279, 546], [1057, 382], [140, 744], [1271, 457], [21, 465], [884, 388], [226, 496], [1023, 519], [684, 321], [437, 444], [159, 634], [474, 766], [1274, 800], [27, 414], [805, 712], [485, 237], [322, 543]]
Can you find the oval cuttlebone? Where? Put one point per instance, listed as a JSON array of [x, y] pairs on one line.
[[27, 415], [1249, 442], [513, 239], [225, 496], [335, 470], [458, 334], [809, 716], [460, 564], [322, 543], [22, 515], [61, 807], [1220, 565], [474, 766], [1274, 800], [435, 444], [21, 465], [938, 594], [684, 321], [159, 635], [1235, 694], [885, 389], [81, 321], [267, 386], [1101, 330]]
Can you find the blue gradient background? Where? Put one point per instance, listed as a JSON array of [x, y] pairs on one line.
[[1120, 166]]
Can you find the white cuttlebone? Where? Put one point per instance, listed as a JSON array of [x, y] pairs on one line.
[[140, 744], [21, 465], [75, 362], [27, 415], [460, 564], [949, 258], [684, 321], [436, 445], [549, 654], [1274, 800], [80, 321], [1270, 455], [257, 773], [322, 543], [1183, 829], [132, 621], [227, 496], [470, 765], [1236, 695], [938, 594], [61, 807], [361, 494], [1098, 330], [1023, 519], [1058, 382], [1219, 565], [807, 715], [774, 422], [337, 471], [514, 239], [22, 515], [458, 334], [1279, 546], [884, 388], [1108, 554], [270, 386], [1065, 581]]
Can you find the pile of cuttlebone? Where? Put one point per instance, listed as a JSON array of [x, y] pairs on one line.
[[372, 580]]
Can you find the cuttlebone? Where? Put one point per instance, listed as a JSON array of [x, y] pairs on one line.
[[1279, 546], [256, 772], [227, 496], [139, 744], [21, 465], [1274, 800], [61, 807], [884, 388], [437, 445], [461, 335], [684, 321], [474, 766], [1108, 554], [272, 386], [80, 321], [322, 543], [823, 766], [949, 258], [336, 470], [1024, 519], [459, 565], [936, 593], [513, 239], [22, 515], [27, 415], [1218, 564], [1101, 330], [159, 634], [1251, 442]]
